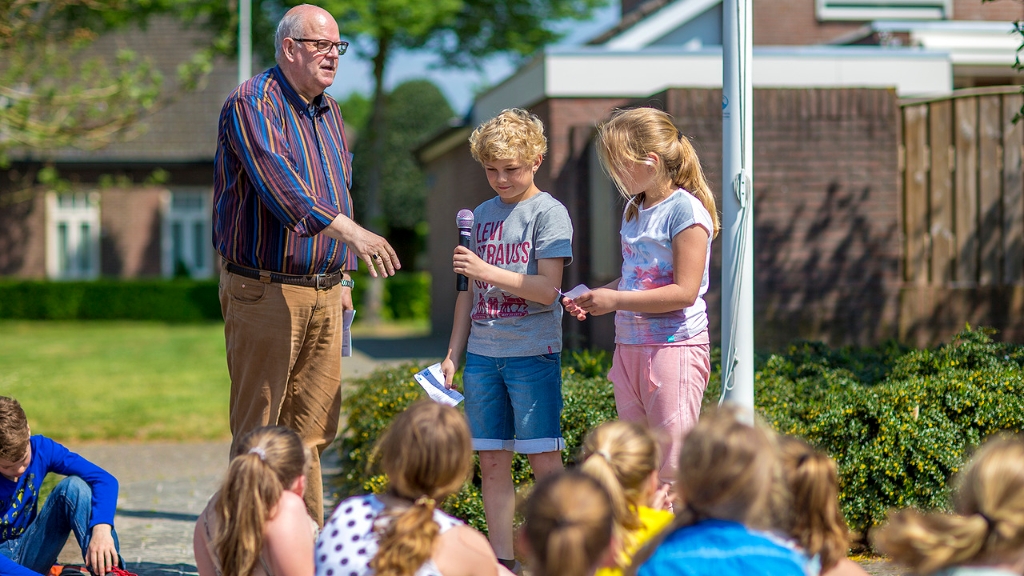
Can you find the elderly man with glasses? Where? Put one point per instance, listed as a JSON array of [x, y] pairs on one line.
[[283, 226]]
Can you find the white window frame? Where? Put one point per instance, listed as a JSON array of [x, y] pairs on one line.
[[865, 10], [187, 222], [73, 235]]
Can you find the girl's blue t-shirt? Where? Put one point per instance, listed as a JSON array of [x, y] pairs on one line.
[[723, 548], [19, 500]]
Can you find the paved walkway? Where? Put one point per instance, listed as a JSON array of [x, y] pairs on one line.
[[164, 486]]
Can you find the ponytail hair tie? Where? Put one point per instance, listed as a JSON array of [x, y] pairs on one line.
[[679, 134], [259, 452], [426, 502], [988, 521]]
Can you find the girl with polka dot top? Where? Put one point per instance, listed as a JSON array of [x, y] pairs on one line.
[[427, 455]]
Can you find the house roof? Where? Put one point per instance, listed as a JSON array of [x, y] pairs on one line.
[[183, 131], [655, 20]]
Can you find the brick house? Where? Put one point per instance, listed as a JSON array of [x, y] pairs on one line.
[[112, 222], [828, 77]]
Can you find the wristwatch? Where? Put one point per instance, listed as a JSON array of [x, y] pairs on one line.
[[349, 283]]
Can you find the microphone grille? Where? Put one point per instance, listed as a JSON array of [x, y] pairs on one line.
[[464, 219]]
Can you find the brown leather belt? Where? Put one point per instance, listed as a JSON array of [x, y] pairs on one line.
[[318, 281]]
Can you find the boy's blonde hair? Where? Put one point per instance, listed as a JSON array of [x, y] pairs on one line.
[[14, 436], [621, 456], [632, 134], [988, 526], [814, 518], [427, 454], [568, 524], [515, 134], [266, 463]]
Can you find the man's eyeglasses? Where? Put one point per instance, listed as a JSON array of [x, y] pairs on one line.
[[324, 46]]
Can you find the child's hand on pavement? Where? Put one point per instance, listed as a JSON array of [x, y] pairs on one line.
[[101, 556]]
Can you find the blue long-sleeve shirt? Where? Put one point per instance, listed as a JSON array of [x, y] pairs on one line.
[[19, 500]]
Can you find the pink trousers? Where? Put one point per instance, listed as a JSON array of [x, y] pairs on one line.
[[662, 387]]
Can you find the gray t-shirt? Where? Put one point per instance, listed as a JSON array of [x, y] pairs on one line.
[[514, 237]]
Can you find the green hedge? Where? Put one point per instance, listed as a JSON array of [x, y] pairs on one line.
[[899, 422], [164, 300], [406, 297]]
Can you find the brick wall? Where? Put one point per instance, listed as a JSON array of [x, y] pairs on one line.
[[130, 221], [130, 230], [22, 227], [795, 22]]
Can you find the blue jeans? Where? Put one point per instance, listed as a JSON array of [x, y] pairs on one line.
[[68, 509], [514, 403]]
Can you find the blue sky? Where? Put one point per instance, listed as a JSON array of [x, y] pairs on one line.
[[354, 73]]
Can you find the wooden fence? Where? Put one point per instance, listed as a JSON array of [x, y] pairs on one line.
[[963, 192], [963, 215]]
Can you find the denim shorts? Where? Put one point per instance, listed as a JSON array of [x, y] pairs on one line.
[[514, 403]]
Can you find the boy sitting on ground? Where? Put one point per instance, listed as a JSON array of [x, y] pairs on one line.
[[82, 503]]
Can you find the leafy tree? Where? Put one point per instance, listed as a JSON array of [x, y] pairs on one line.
[[55, 93], [417, 110]]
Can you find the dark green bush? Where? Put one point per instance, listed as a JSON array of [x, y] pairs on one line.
[[164, 300], [899, 422], [406, 297]]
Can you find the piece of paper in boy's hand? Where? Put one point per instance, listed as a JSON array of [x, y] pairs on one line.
[[346, 332], [576, 292], [432, 380]]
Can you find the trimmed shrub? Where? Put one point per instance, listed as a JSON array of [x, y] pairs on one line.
[[164, 300], [406, 297], [899, 422]]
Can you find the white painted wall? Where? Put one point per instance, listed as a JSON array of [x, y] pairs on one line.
[[597, 72]]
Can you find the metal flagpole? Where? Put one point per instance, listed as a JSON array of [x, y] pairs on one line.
[[737, 206], [244, 40]]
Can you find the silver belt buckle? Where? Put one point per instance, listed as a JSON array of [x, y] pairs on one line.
[[321, 281]]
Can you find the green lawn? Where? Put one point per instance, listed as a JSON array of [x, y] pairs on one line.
[[117, 380]]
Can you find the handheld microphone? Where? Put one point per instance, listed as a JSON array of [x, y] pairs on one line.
[[464, 221]]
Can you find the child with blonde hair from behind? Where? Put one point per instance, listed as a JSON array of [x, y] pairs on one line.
[[727, 487], [624, 457], [426, 453], [568, 526], [815, 521], [509, 322], [985, 534], [662, 358], [257, 523]]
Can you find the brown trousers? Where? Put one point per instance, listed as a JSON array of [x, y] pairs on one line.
[[284, 359]]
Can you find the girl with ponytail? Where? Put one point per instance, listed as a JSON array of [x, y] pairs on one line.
[[257, 523], [985, 534], [568, 526], [662, 357], [814, 519], [624, 458], [427, 455], [728, 493]]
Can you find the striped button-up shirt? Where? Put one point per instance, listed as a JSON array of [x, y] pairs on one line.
[[282, 174]]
